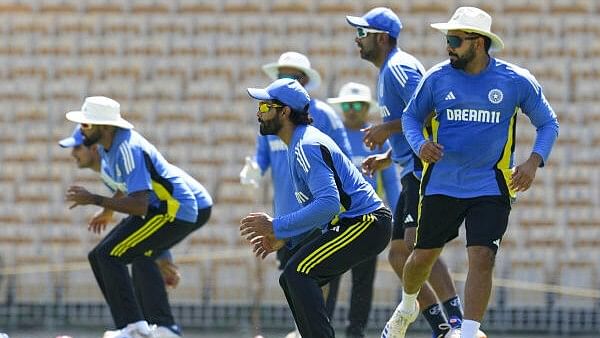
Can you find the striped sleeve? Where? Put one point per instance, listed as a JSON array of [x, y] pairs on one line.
[[403, 81], [133, 169]]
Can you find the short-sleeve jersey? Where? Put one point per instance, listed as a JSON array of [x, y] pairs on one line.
[[132, 164], [387, 180], [398, 78], [475, 122], [271, 152]]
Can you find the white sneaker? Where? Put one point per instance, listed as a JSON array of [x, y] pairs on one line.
[[453, 333], [399, 322], [111, 333], [293, 334], [164, 332], [133, 330]]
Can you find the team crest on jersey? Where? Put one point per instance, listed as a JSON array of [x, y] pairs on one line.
[[495, 96]]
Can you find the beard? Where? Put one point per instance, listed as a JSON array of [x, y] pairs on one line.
[[271, 127], [462, 61], [366, 53], [91, 139]]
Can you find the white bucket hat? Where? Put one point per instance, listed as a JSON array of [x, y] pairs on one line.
[[354, 92], [99, 110], [473, 20], [294, 60]]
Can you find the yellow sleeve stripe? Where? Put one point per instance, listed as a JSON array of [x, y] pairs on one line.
[[164, 195]]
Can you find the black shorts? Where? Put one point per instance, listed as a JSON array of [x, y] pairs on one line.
[[407, 206], [485, 217]]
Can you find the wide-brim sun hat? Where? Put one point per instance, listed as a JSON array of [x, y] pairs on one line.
[[472, 20], [294, 60], [99, 110], [355, 92]]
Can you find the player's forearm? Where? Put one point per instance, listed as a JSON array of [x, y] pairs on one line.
[[413, 131], [136, 205], [393, 126]]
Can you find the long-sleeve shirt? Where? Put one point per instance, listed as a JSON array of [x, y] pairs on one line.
[[398, 78], [326, 184], [475, 121]]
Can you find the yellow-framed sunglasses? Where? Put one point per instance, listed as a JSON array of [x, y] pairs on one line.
[[264, 107]]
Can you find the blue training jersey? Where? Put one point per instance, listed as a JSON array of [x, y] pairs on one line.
[[326, 184], [387, 179], [398, 78], [132, 164], [203, 198], [327, 120], [475, 121], [271, 152]]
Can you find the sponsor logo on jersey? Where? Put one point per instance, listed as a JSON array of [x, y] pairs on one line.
[[450, 96], [473, 115], [495, 96]]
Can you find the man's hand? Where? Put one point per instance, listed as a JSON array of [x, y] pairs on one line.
[[376, 162], [256, 224], [431, 152], [100, 220], [80, 196], [169, 272], [524, 174], [264, 245], [375, 136]]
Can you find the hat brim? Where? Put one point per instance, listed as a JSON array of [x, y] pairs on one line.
[[68, 142], [357, 21], [78, 116], [259, 94], [314, 79], [444, 27], [373, 106]]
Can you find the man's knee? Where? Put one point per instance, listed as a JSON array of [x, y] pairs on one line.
[[481, 258], [398, 253]]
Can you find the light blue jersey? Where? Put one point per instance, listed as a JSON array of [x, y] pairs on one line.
[[476, 122], [387, 179], [271, 152], [327, 120], [132, 164], [326, 184], [398, 78]]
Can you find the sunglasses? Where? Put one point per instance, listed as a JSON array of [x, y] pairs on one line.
[[356, 106], [296, 77], [361, 32], [86, 126], [454, 41], [264, 107]]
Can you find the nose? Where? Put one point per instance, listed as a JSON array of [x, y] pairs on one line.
[[357, 39]]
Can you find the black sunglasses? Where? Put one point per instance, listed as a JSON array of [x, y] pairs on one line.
[[454, 41], [296, 77]]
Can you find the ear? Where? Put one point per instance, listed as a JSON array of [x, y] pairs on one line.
[[382, 39], [286, 111]]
